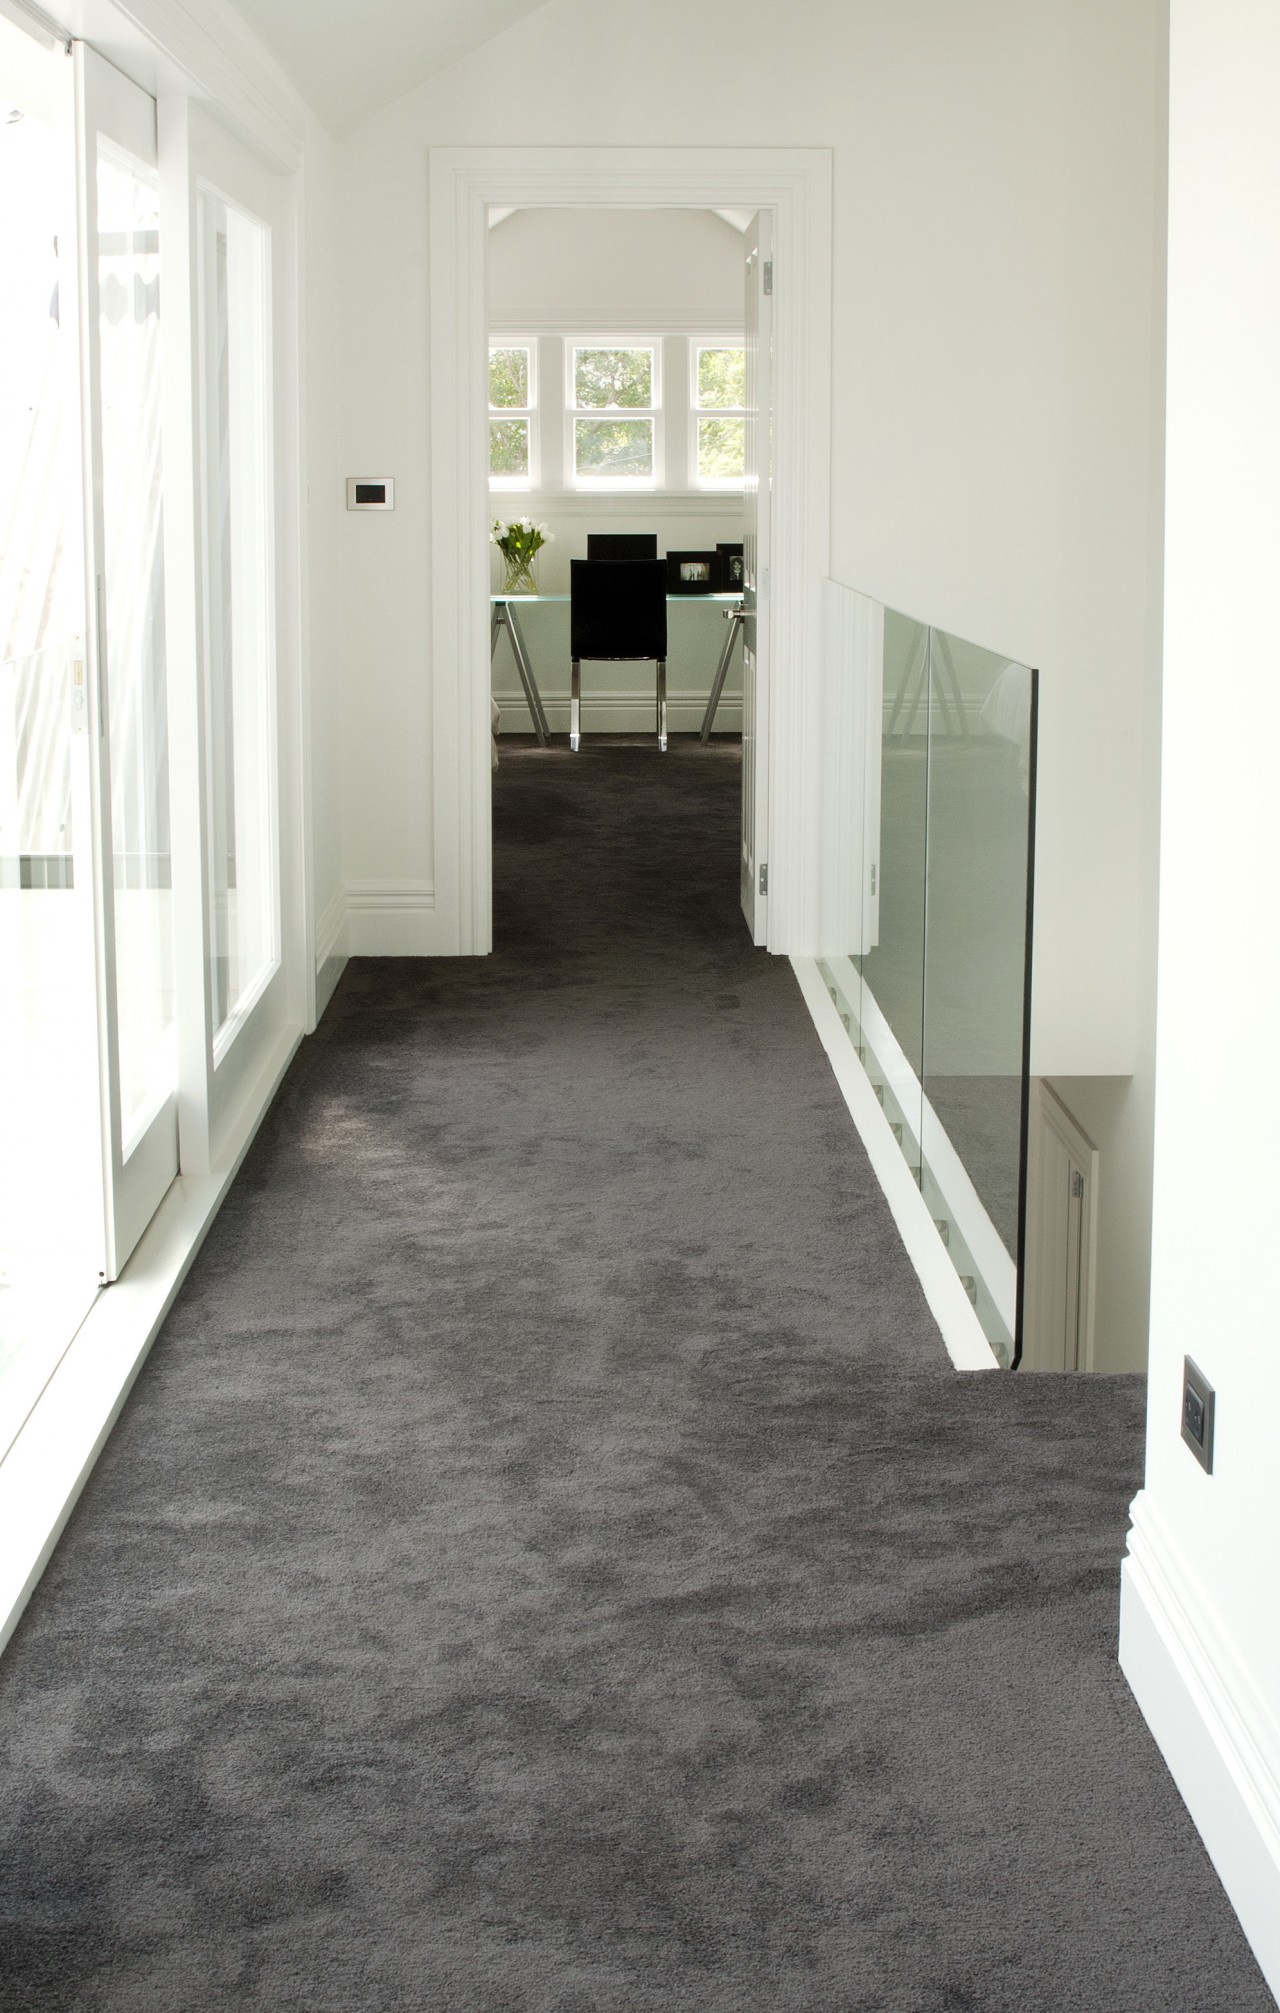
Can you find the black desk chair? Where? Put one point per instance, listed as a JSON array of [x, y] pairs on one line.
[[622, 545], [617, 614]]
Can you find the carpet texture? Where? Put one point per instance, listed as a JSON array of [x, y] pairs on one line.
[[548, 1565]]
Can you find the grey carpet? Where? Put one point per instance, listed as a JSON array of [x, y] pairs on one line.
[[547, 1564]]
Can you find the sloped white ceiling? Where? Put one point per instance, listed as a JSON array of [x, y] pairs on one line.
[[350, 57]]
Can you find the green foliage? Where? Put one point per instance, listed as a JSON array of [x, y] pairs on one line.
[[613, 446], [721, 449], [520, 538], [613, 377], [508, 447], [509, 377], [722, 377]]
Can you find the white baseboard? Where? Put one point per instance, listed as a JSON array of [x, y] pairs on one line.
[[331, 928], [327, 983], [1220, 1743], [395, 919], [619, 713], [332, 947], [949, 1304], [51, 1459]]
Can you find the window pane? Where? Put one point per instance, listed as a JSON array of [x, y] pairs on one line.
[[613, 377], [508, 377], [241, 666], [137, 722], [613, 447], [50, 1145], [508, 447], [721, 450], [722, 377]]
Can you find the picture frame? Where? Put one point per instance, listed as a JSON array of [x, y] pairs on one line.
[[730, 575], [691, 572]]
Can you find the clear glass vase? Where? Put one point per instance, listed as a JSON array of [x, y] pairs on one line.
[[518, 576]]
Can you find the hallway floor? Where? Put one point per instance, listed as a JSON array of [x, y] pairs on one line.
[[548, 1564]]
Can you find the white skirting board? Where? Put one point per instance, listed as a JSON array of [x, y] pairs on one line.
[[327, 976], [396, 919], [619, 713], [949, 1304], [1213, 1731]]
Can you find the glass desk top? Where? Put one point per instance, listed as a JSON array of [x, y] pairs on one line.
[[716, 600]]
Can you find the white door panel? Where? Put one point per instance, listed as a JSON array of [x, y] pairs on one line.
[[234, 220], [755, 641], [123, 757]]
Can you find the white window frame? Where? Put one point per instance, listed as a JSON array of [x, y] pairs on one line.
[[624, 485], [715, 484], [528, 413]]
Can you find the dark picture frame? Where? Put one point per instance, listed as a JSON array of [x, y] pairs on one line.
[[691, 572], [730, 574]]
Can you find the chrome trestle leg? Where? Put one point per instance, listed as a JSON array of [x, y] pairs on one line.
[[575, 704], [735, 619], [662, 705], [527, 679]]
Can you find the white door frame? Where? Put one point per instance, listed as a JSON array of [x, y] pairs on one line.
[[795, 183]]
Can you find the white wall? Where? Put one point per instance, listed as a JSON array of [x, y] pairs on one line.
[[580, 272], [993, 323], [996, 436], [1201, 1632]]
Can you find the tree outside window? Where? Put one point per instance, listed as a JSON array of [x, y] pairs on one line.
[[613, 400], [511, 409], [719, 398]]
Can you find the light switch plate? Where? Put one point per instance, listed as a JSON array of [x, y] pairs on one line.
[[1197, 1413], [371, 492]]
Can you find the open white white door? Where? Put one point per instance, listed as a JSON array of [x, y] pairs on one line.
[[755, 640], [120, 761], [230, 228]]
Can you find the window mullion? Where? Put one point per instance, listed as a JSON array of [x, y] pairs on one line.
[[549, 418], [674, 426]]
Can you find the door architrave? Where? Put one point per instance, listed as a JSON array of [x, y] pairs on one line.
[[795, 183]]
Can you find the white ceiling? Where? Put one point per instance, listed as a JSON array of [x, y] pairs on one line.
[[350, 57]]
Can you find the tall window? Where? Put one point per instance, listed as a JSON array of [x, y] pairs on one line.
[[718, 397], [615, 413], [613, 402], [236, 378], [512, 403], [133, 592]]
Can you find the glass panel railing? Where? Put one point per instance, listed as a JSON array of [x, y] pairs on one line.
[[933, 980], [892, 1005], [975, 978]]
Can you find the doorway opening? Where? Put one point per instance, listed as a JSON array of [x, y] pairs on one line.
[[628, 420], [468, 186]]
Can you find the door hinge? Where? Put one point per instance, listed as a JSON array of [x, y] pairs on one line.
[[874, 872], [768, 276], [764, 879], [79, 689], [1077, 1184]]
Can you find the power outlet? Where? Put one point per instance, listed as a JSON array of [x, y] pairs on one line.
[[1197, 1414]]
